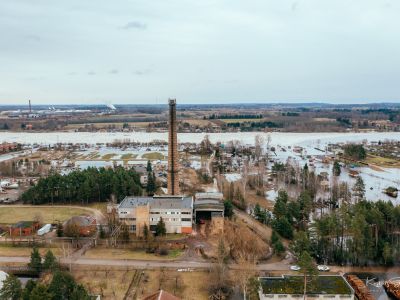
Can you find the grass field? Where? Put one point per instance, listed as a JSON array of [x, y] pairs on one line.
[[128, 156], [9, 250], [113, 253], [382, 161], [108, 156], [153, 156], [11, 214]]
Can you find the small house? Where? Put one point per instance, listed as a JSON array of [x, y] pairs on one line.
[[23, 228]]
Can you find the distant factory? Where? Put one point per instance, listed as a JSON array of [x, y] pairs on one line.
[[51, 111]]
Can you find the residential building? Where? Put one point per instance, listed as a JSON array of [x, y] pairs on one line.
[[23, 228]]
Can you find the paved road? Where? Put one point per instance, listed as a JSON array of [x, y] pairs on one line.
[[143, 264]]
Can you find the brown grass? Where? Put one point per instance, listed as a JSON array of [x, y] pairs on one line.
[[382, 161], [186, 285], [11, 215], [9, 250], [112, 253], [113, 283]]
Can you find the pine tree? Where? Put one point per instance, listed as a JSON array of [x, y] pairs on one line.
[[359, 189], [11, 289], [149, 168], [61, 285], [308, 268], [40, 292], [79, 293], [29, 286], [151, 184], [228, 209], [36, 261], [160, 228], [50, 261], [336, 168]]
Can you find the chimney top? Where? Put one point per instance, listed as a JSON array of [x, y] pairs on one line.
[[172, 101]]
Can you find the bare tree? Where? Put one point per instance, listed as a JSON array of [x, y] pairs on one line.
[[246, 269], [259, 146], [244, 173]]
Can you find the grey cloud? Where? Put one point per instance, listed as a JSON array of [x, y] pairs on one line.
[[91, 73], [113, 71], [134, 25], [33, 37], [141, 72]]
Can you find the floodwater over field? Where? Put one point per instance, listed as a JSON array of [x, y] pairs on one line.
[[375, 181], [277, 138], [313, 144]]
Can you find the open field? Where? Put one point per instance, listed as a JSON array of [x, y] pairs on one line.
[[186, 285], [114, 283], [128, 156], [382, 161], [111, 284], [153, 156], [197, 122], [108, 156], [12, 214], [10, 250], [113, 253]]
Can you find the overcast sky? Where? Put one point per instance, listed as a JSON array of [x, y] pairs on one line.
[[102, 51]]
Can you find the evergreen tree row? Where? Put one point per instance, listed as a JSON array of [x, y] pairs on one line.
[[84, 186]]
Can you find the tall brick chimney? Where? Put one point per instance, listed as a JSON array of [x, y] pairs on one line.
[[173, 158]]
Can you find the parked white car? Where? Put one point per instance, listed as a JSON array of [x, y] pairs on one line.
[[323, 268], [295, 268]]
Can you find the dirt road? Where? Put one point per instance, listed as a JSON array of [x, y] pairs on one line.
[[261, 230]]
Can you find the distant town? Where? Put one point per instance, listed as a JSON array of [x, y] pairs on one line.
[[306, 117]]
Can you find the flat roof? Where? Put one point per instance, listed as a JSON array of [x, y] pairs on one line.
[[160, 202], [294, 285], [209, 195]]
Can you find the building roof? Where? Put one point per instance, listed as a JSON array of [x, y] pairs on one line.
[[161, 202], [209, 195], [23, 224], [323, 284], [161, 295], [80, 220]]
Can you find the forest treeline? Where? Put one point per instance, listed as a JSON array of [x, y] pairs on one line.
[[84, 186], [236, 116], [361, 233]]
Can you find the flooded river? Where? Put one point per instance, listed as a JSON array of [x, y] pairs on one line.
[[277, 138]]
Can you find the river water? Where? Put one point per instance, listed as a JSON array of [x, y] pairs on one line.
[[277, 138]]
